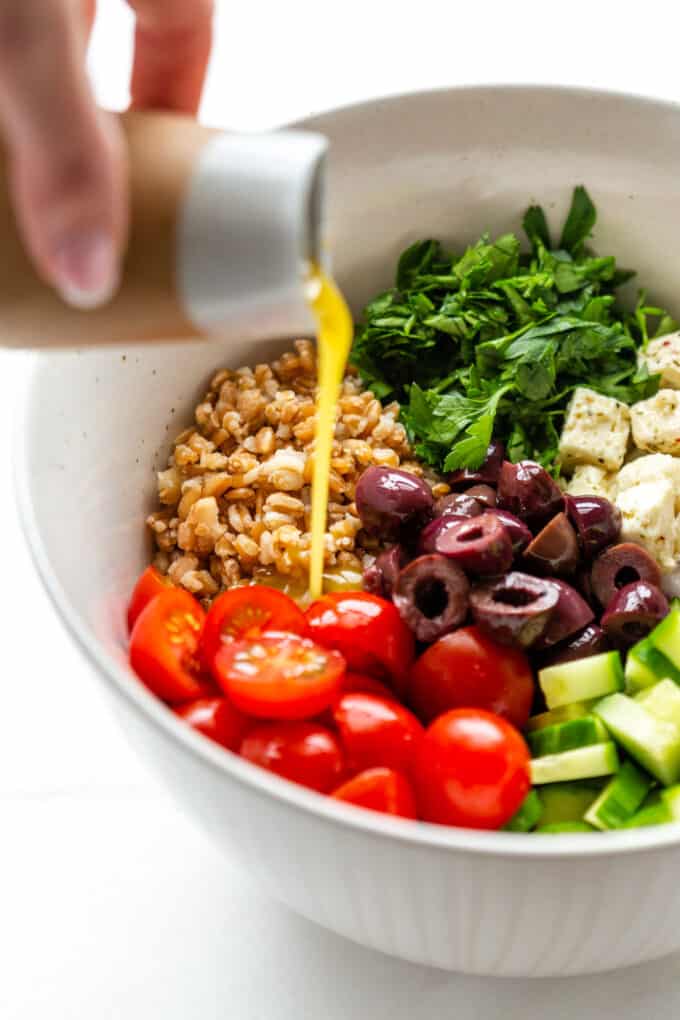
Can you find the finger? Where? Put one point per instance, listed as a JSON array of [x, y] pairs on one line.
[[66, 164], [172, 49], [89, 14]]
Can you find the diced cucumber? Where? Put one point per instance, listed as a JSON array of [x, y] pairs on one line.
[[655, 813], [568, 802], [666, 637], [582, 679], [620, 799], [528, 814], [646, 665], [560, 715], [582, 763], [567, 736], [653, 743], [557, 827], [662, 700]]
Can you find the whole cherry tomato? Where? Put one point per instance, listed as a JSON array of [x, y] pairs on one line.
[[279, 676], [150, 584], [368, 631], [247, 612], [376, 731], [471, 770], [217, 719], [465, 669], [303, 752], [365, 684], [379, 789], [164, 647]]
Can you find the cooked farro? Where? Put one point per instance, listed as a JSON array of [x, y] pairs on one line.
[[235, 497]]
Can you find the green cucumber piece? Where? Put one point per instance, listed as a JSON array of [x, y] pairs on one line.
[[666, 637], [525, 819], [671, 798], [662, 700], [582, 679], [582, 763], [620, 799], [560, 715], [655, 813], [646, 665], [567, 736], [568, 802], [652, 742], [557, 827]]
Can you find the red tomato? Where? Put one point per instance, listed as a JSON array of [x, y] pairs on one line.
[[303, 752], [217, 719], [365, 684], [150, 584], [379, 790], [376, 731], [468, 670], [246, 612], [471, 769], [164, 646], [368, 631], [279, 676]]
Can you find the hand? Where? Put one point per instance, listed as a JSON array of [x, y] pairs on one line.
[[67, 161]]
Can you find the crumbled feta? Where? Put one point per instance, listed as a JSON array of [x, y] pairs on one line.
[[656, 423], [651, 467], [589, 480], [648, 518], [662, 356], [595, 431]]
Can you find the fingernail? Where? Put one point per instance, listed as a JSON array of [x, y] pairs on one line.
[[86, 271]]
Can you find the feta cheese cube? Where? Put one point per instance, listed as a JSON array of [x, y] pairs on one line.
[[588, 480], [651, 467], [662, 356], [656, 423], [648, 518], [595, 431]]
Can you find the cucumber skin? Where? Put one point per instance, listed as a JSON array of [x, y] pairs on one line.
[[652, 661], [653, 814], [598, 760], [528, 814], [563, 714], [567, 736], [666, 637], [568, 802], [592, 677], [620, 799]]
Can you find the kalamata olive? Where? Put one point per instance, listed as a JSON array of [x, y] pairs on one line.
[[554, 550], [460, 504], [597, 522], [520, 536], [483, 494], [584, 583], [388, 500], [381, 577], [571, 614], [633, 611], [481, 545], [431, 595], [621, 565], [527, 490], [429, 536], [486, 473], [590, 641], [516, 609]]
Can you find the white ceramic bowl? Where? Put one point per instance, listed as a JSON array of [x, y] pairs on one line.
[[447, 164]]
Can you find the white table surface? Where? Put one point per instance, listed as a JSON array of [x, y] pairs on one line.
[[111, 904]]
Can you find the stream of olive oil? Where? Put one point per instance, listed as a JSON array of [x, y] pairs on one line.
[[334, 339]]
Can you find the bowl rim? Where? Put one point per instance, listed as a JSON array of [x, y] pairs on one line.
[[124, 684]]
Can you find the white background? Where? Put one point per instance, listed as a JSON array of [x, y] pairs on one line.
[[111, 905]]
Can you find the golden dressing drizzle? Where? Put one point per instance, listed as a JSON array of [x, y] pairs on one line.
[[334, 339]]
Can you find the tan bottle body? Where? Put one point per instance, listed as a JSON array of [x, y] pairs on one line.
[[184, 195]]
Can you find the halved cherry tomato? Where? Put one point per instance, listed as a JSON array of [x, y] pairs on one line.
[[279, 676], [465, 669], [164, 647], [365, 684], [150, 584], [217, 719], [471, 770], [376, 731], [245, 613], [379, 790], [303, 752], [368, 631]]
